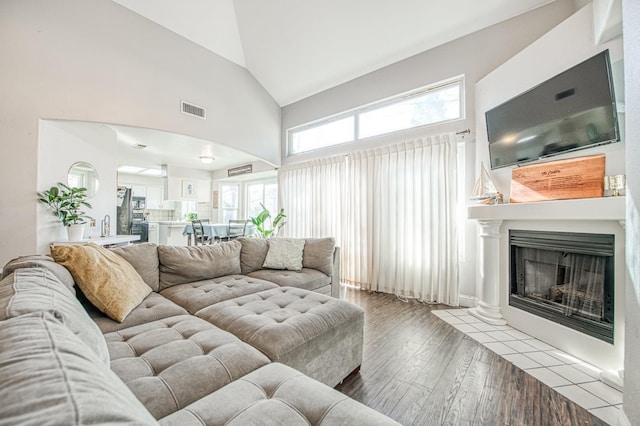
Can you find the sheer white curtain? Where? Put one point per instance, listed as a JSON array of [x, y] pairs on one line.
[[401, 231], [392, 210], [312, 195]]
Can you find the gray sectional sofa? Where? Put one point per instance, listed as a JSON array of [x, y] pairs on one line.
[[219, 340]]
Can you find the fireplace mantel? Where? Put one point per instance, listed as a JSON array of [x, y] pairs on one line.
[[591, 215], [605, 208]]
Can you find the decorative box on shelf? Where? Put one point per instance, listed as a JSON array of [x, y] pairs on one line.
[[573, 178]]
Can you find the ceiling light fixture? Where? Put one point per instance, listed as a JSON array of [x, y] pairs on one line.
[[130, 169], [151, 172], [206, 159]]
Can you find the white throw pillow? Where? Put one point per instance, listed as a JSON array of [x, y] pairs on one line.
[[284, 253]]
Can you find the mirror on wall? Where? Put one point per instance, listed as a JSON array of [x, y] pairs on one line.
[[83, 175]]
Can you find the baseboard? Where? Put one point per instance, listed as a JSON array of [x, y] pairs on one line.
[[622, 419], [467, 301]]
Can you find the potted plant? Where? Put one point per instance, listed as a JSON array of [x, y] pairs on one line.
[[260, 223], [66, 204]]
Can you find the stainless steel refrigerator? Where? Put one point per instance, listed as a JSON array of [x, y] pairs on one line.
[[124, 210]]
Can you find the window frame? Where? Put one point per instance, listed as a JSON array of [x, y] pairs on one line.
[[458, 81], [237, 207], [264, 183]]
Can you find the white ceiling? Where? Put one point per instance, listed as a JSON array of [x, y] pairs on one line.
[[172, 148], [161, 147], [297, 48]]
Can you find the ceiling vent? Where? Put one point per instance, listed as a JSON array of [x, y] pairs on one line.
[[194, 110], [139, 146]]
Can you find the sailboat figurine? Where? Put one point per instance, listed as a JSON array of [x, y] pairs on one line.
[[484, 191]]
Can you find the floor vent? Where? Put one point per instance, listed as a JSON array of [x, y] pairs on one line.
[[194, 110]]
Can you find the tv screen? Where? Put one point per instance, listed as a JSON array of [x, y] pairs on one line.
[[571, 111]]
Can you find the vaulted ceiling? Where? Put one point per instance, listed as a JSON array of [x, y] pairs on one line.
[[297, 48]]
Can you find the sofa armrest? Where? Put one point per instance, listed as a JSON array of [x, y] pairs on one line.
[[335, 274]]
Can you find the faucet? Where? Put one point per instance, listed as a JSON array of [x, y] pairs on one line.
[[106, 226]]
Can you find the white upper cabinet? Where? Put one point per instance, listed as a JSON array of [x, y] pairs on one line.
[[154, 197]]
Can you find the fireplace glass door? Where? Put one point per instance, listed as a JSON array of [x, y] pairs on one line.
[[564, 277]]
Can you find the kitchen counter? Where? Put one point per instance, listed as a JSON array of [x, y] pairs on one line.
[[113, 240]]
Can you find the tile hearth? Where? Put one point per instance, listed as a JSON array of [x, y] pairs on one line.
[[573, 378]]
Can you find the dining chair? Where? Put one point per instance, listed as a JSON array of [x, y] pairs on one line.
[[237, 228], [198, 233]]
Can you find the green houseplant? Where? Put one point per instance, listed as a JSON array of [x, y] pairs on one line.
[[260, 222], [66, 203]]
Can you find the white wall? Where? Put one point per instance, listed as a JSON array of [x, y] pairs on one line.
[[474, 56], [94, 60], [57, 151], [176, 177], [631, 23]]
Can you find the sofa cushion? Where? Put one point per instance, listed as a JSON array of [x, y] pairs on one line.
[[284, 253], [28, 290], [318, 254], [144, 259], [154, 307], [180, 265], [253, 253], [308, 279], [48, 375], [200, 294], [171, 363], [41, 261], [280, 394], [106, 279]]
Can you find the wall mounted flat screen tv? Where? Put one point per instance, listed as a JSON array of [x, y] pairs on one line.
[[573, 110]]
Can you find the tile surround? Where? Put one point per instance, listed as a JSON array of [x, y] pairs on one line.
[[573, 378]]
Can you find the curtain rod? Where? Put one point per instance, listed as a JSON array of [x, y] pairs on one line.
[[464, 132]]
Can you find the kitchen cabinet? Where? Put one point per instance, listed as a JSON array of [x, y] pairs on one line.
[[154, 197], [138, 190], [154, 194]]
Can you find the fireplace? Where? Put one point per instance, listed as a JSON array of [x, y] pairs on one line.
[[565, 277]]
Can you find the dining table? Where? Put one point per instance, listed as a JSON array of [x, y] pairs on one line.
[[215, 231]]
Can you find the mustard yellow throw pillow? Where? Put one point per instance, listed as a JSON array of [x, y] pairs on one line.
[[106, 279]]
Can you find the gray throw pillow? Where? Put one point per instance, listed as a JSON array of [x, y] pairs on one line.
[[284, 253]]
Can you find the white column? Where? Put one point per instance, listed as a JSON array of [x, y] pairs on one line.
[[615, 379], [488, 308]]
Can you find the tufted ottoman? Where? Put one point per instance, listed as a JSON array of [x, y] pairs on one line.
[[316, 334], [276, 395]]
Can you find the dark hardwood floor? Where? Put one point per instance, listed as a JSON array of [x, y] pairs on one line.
[[419, 370]]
